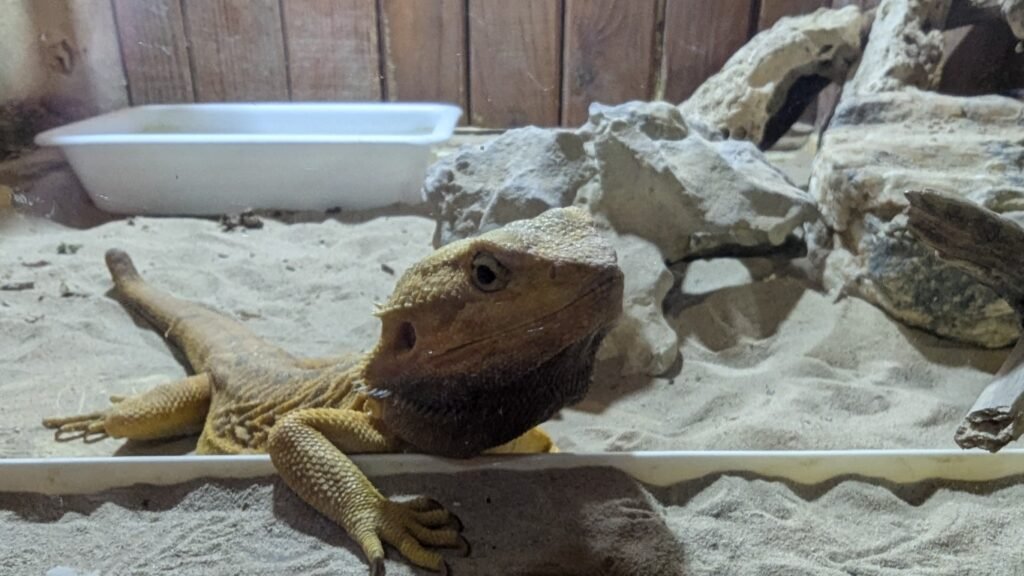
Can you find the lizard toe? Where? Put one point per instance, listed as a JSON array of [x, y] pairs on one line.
[[414, 525], [423, 504], [437, 518], [86, 427], [409, 547]]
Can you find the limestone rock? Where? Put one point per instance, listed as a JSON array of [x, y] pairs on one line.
[[642, 339], [1013, 11], [518, 175], [656, 120], [904, 49], [792, 60], [687, 195], [879, 146]]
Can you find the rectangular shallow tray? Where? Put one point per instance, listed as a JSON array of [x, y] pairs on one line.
[[210, 159], [87, 475]]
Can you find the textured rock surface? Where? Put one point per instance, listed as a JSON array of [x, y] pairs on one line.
[[517, 175], [906, 279], [755, 84], [688, 195], [878, 147], [643, 321], [904, 49], [1013, 11]]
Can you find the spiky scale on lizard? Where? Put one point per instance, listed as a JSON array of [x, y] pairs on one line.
[[480, 342]]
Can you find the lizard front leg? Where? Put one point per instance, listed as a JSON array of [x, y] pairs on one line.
[[308, 449]]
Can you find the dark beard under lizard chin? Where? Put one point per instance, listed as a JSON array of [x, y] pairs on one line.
[[464, 415]]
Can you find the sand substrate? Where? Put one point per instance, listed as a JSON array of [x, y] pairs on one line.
[[769, 360], [573, 522]]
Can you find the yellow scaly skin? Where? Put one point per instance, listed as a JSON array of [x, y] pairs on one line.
[[480, 342]]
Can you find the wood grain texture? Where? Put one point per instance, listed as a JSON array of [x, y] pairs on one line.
[[700, 35], [333, 52], [425, 50], [986, 245], [515, 54], [152, 34], [237, 50], [84, 73], [609, 54], [773, 10]]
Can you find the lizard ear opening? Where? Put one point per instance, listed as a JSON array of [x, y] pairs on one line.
[[405, 338]]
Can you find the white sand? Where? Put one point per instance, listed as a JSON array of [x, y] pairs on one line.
[[579, 522], [769, 363]]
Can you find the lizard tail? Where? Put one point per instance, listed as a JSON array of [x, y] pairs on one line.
[[121, 267], [195, 329], [154, 305]]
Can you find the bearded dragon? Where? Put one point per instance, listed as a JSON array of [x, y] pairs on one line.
[[480, 342]]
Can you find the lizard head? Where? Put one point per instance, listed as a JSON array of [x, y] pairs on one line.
[[489, 336]]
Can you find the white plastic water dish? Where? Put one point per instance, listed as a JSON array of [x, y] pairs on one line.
[[210, 159]]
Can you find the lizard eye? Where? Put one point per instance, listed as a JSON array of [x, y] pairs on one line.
[[488, 274]]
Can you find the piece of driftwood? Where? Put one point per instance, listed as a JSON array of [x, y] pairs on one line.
[[991, 249]]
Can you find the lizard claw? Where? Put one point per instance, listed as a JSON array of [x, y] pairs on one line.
[[411, 527], [87, 427]]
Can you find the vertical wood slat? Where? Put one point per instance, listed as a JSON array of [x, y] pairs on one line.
[[608, 54], [773, 10], [515, 56], [332, 48], [425, 50], [700, 35], [237, 50], [152, 35]]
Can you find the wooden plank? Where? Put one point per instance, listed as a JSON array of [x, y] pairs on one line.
[[78, 43], [700, 35], [333, 52], [425, 47], [152, 34], [773, 10], [237, 50], [514, 53], [609, 54]]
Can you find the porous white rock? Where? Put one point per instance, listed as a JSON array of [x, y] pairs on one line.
[[518, 175], [688, 195], [800, 53], [642, 340]]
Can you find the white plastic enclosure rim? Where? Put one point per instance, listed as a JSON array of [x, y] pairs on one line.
[[86, 475], [95, 130]]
